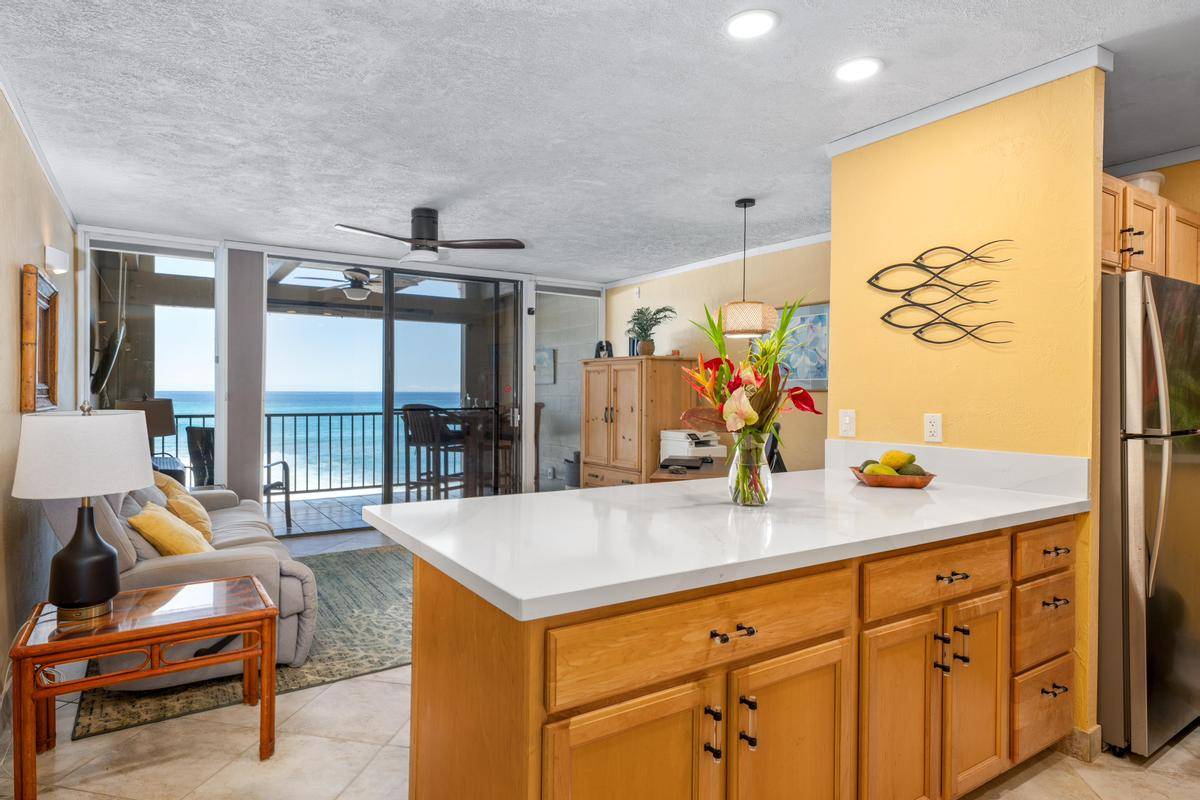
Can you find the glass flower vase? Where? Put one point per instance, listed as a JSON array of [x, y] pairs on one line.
[[749, 473]]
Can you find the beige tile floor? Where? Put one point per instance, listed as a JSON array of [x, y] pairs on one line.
[[349, 741], [346, 740]]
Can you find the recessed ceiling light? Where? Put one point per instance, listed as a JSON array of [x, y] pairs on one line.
[[751, 24], [859, 69]]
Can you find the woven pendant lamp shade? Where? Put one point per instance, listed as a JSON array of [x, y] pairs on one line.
[[745, 319]]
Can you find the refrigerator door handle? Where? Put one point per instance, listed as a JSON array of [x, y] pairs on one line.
[[1160, 520], [1160, 361]]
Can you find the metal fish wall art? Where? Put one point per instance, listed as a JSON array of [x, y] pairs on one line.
[[925, 320]]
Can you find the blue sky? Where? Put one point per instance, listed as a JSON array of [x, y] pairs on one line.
[[307, 353]]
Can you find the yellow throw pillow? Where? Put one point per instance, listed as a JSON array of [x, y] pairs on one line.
[[168, 485], [191, 511], [170, 535]]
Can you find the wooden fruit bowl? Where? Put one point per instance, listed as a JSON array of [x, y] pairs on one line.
[[894, 481]]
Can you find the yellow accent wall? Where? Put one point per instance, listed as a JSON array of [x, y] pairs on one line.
[[1027, 168], [30, 218], [775, 278], [1183, 184]]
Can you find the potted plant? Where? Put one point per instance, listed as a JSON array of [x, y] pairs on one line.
[[746, 400], [642, 325]]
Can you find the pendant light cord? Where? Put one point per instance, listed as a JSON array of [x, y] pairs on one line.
[[745, 211]]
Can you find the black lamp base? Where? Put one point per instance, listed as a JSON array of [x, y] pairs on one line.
[[84, 577]]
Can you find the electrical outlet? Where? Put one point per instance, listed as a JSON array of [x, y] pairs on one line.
[[847, 424], [933, 427]]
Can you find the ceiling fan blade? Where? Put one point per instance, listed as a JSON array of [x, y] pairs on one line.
[[481, 244], [368, 232], [337, 288], [315, 278]]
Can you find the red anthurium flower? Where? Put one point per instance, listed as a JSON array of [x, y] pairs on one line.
[[802, 400], [715, 364]]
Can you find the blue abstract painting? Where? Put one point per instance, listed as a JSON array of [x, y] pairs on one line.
[[808, 359]]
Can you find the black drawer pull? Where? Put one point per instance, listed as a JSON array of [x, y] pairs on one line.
[[1055, 690], [1056, 551], [722, 638], [1057, 602], [715, 713], [748, 739], [746, 630], [944, 668], [716, 751]]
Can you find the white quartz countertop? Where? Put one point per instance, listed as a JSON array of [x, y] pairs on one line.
[[538, 555]]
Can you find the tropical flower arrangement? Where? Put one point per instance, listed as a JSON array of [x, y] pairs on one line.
[[746, 400]]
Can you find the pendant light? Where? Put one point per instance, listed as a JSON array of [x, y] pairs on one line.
[[747, 319]]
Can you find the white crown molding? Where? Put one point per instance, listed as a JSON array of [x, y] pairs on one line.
[[1154, 162], [31, 138], [1051, 71], [790, 244]]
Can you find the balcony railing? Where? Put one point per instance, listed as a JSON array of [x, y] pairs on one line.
[[327, 451]]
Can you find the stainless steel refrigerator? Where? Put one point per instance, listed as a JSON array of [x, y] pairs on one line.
[[1149, 681]]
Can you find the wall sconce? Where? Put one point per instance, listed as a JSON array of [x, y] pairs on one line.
[[57, 261]]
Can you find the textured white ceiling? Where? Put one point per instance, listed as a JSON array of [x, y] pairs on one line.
[[612, 136], [1152, 99]]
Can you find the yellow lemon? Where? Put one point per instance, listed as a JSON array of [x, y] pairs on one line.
[[878, 469], [897, 459]]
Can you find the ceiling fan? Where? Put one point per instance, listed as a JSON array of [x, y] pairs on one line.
[[424, 240], [358, 283]]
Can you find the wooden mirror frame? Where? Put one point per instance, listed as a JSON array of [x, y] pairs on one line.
[[39, 341]]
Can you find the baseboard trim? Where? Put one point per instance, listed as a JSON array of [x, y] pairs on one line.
[[1081, 744]]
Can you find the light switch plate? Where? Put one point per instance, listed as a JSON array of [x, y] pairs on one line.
[[933, 427], [847, 424]]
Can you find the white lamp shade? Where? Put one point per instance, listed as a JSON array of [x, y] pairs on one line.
[[70, 454], [744, 319]]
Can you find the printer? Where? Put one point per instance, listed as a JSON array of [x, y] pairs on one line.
[[690, 444]]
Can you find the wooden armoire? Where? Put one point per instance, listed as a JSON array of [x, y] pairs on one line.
[[626, 403]]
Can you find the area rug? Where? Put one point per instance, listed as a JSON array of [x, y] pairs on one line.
[[364, 625]]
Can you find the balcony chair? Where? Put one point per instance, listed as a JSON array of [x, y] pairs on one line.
[[201, 443], [428, 430]]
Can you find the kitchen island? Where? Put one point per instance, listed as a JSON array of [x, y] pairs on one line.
[[656, 641]]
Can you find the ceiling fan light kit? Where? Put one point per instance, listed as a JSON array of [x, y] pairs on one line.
[[747, 319]]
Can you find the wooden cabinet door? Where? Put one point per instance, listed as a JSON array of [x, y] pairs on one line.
[[900, 709], [648, 748], [594, 436], [1146, 214], [791, 728], [975, 700], [1112, 209], [626, 415], [1183, 244]]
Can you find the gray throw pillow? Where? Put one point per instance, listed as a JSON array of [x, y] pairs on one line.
[[131, 508]]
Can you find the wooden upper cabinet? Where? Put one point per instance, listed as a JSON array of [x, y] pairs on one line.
[[649, 748], [900, 709], [594, 437], [626, 428], [1183, 243], [1112, 209], [791, 728], [1146, 214], [975, 709]]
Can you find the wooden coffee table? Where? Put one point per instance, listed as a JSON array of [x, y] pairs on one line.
[[147, 623]]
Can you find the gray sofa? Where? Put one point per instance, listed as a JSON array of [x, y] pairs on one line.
[[244, 544]]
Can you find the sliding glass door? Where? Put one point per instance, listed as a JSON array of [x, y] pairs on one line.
[[454, 369], [385, 385]]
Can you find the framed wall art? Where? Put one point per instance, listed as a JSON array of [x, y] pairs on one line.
[[39, 342]]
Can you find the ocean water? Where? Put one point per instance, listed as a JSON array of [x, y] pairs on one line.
[[330, 440]]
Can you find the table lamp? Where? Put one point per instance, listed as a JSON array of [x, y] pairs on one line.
[[82, 454]]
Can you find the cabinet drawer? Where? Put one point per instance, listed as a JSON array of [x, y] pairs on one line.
[[608, 656], [904, 583], [1044, 549], [1042, 707], [1043, 619], [605, 476]]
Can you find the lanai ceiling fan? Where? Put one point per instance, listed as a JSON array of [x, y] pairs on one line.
[[357, 283], [424, 240]]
